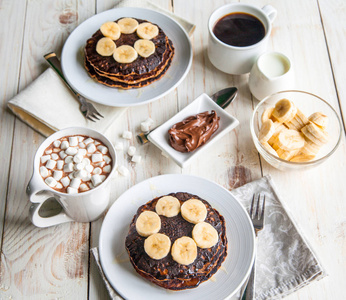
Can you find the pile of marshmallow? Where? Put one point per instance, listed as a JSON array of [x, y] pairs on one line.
[[75, 164]]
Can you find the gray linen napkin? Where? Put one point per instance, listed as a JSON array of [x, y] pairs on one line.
[[285, 262]]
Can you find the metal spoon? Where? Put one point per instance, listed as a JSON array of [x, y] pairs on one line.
[[223, 98]]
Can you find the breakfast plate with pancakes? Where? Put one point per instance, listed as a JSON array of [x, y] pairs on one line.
[[143, 64], [217, 272]]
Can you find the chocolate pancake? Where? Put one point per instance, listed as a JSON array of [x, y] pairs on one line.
[[142, 65], [166, 272]]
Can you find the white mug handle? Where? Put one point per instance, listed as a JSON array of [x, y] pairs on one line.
[[37, 198], [271, 12]]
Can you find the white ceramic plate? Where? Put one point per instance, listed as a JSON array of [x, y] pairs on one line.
[[228, 279], [160, 138], [76, 75]]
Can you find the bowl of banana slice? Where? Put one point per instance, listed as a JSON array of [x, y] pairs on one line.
[[293, 130]]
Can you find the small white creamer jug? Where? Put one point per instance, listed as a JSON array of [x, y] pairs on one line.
[[271, 73]]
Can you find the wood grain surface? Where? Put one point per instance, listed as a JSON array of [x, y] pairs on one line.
[[55, 263]]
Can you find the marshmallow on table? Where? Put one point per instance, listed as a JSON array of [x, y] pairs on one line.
[[131, 151], [123, 171], [127, 135], [136, 158], [145, 126]]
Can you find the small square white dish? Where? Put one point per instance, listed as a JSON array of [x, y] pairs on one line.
[[160, 138]]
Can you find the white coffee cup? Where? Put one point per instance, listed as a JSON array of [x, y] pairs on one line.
[[82, 207], [233, 59]]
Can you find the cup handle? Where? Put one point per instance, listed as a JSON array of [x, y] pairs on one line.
[[37, 199], [271, 12]]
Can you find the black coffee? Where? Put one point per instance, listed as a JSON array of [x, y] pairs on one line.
[[239, 29]]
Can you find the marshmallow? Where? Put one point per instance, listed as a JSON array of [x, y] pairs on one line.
[[78, 166], [103, 177], [96, 179], [89, 168], [107, 159], [78, 158], [68, 167], [64, 145], [87, 177], [86, 161], [51, 164], [131, 151], [57, 175], [56, 150], [119, 146], [44, 171], [48, 151], [45, 158], [145, 127], [123, 171], [55, 156], [62, 154], [97, 171], [96, 157], [82, 152], [149, 121], [127, 135], [73, 140], [71, 151], [71, 175], [107, 169], [102, 149], [58, 186], [50, 181], [75, 183], [83, 187], [136, 158], [72, 191], [80, 174], [57, 143], [91, 148], [81, 145], [68, 159], [81, 139], [97, 143], [60, 164], [65, 181], [88, 141], [100, 164]]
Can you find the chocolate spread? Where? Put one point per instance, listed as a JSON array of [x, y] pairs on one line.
[[194, 131]]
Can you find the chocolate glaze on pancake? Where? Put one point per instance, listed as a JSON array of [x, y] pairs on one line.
[[166, 272]]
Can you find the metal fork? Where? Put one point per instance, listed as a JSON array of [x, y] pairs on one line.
[[257, 216], [87, 109]]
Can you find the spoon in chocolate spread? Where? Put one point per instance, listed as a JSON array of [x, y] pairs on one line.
[[223, 98]]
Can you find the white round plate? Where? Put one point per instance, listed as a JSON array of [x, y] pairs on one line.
[[73, 67], [241, 240]]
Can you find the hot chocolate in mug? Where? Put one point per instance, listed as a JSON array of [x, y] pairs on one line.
[[81, 207], [238, 34]]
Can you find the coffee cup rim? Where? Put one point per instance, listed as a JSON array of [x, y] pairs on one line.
[[210, 26], [50, 139]]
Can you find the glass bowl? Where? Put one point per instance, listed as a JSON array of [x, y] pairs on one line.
[[307, 103]]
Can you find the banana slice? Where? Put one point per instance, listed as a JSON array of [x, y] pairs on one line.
[[302, 157], [310, 148], [168, 206], [157, 246], [302, 118], [111, 30], [290, 140], [278, 129], [144, 48], [319, 119], [147, 223], [125, 54], [284, 110], [205, 235], [269, 148], [267, 114], [267, 130], [147, 31], [194, 211], [286, 155], [105, 46], [184, 250], [127, 25], [320, 135]]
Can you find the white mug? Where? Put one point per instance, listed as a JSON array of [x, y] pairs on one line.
[[232, 59], [271, 73], [82, 207]]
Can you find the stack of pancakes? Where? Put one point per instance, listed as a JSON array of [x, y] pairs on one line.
[[139, 73], [166, 272]]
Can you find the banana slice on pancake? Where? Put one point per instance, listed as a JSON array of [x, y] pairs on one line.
[[157, 246], [147, 30], [111, 30], [168, 206], [105, 46], [284, 110], [194, 211], [144, 48], [128, 25], [148, 223], [125, 54], [205, 235], [184, 250]]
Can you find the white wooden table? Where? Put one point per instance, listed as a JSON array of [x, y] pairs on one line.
[[55, 263]]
